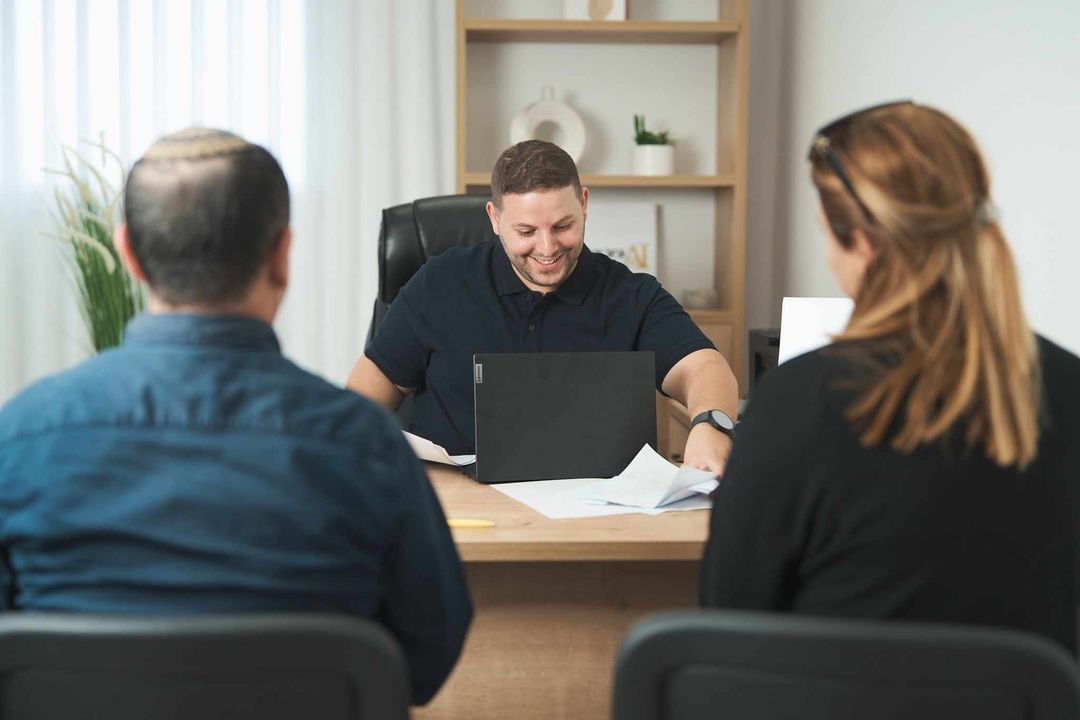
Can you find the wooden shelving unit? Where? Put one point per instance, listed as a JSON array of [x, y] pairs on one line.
[[629, 31], [724, 180], [474, 179]]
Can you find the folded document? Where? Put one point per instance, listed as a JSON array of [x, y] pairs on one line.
[[650, 481], [649, 485], [562, 499], [427, 450]]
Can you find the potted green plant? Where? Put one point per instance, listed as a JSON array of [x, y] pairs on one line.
[[86, 213], [654, 153]]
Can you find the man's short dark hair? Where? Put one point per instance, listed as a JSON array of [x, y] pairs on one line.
[[532, 165], [204, 209]]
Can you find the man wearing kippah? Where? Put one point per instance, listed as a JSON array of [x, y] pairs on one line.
[[194, 469]]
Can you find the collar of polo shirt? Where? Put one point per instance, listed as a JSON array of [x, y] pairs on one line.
[[572, 290]]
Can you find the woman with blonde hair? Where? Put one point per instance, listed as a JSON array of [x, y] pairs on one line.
[[925, 465]]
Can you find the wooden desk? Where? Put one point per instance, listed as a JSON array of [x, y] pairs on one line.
[[553, 600]]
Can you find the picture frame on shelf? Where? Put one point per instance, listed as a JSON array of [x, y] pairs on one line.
[[625, 231]]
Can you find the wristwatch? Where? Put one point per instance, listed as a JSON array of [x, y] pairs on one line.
[[718, 419]]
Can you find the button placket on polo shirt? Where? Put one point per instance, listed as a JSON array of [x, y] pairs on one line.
[[534, 319]]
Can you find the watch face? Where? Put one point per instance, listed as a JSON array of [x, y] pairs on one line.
[[722, 420]]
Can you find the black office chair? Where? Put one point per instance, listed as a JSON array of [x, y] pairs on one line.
[[413, 232], [261, 667], [765, 666]]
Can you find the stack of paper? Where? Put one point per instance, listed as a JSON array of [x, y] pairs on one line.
[[650, 481], [427, 450], [628, 492]]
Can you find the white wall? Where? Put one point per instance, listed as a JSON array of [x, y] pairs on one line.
[[1008, 70]]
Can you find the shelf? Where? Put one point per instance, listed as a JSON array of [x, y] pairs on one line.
[[621, 31], [693, 68], [633, 181]]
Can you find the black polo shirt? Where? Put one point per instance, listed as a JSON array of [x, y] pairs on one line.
[[469, 300]]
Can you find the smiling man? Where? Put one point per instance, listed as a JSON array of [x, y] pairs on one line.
[[539, 289]]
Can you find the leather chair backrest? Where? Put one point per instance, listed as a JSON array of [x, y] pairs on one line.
[[768, 666], [413, 232], [262, 667]]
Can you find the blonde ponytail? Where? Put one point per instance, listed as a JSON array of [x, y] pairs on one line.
[[945, 344]]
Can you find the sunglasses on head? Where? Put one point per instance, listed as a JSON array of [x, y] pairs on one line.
[[822, 146]]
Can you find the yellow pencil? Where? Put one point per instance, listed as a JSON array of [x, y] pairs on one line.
[[468, 523]]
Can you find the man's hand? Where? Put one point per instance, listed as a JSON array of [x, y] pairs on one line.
[[703, 381], [707, 449]]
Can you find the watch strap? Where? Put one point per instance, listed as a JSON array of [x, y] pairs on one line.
[[706, 417]]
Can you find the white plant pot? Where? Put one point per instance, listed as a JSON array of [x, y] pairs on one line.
[[654, 159]]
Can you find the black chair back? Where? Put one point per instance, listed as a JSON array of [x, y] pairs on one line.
[[765, 666], [413, 232], [262, 667]]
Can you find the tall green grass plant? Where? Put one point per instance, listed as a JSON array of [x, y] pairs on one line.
[[87, 210]]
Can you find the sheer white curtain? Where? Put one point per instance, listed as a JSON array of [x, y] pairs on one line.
[[354, 98]]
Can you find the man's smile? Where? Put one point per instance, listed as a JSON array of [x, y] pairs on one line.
[[547, 262]]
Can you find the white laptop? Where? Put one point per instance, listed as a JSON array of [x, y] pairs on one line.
[[809, 323]]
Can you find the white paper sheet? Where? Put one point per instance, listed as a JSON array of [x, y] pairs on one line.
[[427, 450], [809, 323], [561, 499], [650, 481]]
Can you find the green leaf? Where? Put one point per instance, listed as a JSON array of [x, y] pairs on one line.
[[645, 137], [84, 222]]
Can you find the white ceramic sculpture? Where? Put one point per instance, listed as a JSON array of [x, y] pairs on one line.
[[549, 110], [594, 9]]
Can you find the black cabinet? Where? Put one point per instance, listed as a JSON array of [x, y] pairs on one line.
[[764, 351]]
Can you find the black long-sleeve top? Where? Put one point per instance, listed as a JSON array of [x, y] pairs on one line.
[[808, 520]]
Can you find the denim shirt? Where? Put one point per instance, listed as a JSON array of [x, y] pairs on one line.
[[196, 470]]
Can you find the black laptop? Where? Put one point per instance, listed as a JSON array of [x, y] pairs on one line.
[[544, 416]]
